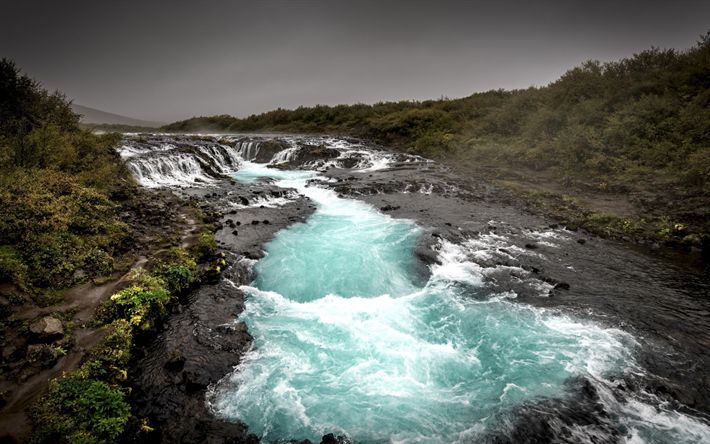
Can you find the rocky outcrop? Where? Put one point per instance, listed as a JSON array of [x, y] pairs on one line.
[[309, 154], [268, 149]]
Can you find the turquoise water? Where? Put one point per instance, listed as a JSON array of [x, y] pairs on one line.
[[251, 172], [347, 339]]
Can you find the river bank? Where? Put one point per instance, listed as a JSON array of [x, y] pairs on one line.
[[543, 264]]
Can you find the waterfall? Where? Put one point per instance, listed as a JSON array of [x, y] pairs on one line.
[[224, 159], [178, 169], [284, 155], [180, 163], [247, 149]]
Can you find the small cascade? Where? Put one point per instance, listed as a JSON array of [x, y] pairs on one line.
[[179, 162], [247, 149], [170, 170], [284, 156], [223, 158]]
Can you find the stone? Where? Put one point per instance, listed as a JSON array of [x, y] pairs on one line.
[[562, 286], [47, 328]]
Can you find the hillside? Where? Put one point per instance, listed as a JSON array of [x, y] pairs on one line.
[[620, 148], [92, 116]]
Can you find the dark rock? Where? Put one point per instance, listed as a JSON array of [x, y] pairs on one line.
[[243, 200], [310, 153], [175, 361], [332, 439], [8, 352], [42, 354], [531, 246], [194, 381], [265, 222], [562, 286], [255, 222], [235, 232], [349, 162], [581, 241], [268, 149]]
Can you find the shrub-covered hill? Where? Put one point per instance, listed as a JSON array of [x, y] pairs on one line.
[[638, 126], [58, 219]]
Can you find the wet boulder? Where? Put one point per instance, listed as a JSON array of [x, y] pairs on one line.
[[351, 161], [268, 149], [332, 439], [307, 154]]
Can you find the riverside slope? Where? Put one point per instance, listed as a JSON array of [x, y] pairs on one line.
[[442, 315]]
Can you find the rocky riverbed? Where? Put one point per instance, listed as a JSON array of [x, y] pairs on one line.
[[658, 308]]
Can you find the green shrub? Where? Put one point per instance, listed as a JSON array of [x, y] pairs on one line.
[[206, 244], [177, 269], [11, 266], [78, 410], [58, 226], [143, 304], [55, 186], [108, 360]]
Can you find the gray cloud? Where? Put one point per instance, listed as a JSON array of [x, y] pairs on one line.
[[174, 59]]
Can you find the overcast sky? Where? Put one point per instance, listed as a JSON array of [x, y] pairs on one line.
[[175, 59]]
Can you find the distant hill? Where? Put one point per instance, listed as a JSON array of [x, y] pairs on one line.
[[95, 116]]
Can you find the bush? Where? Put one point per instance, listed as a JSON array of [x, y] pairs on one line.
[[206, 245], [11, 266], [58, 226], [177, 269], [55, 186], [143, 304], [78, 410], [108, 361]]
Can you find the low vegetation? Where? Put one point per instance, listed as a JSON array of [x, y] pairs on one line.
[[58, 220], [89, 405], [62, 191]]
